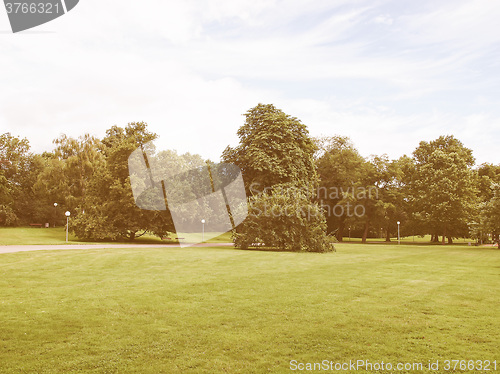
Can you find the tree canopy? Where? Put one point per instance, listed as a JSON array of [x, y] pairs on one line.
[[274, 148]]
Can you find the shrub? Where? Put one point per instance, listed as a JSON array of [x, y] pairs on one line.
[[284, 218]]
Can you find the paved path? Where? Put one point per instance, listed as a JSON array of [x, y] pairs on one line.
[[26, 248]]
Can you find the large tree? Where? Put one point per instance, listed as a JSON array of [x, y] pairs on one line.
[[109, 210], [444, 188], [276, 157], [340, 167]]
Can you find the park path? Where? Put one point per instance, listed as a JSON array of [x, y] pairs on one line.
[[27, 248]]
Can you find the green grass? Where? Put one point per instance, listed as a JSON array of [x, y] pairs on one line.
[[221, 310], [54, 236]]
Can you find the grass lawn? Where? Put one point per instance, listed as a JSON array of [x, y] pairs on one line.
[[53, 236], [221, 310]]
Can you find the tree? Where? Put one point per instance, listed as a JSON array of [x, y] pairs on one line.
[[67, 172], [109, 210], [489, 195], [444, 186], [19, 169], [274, 148], [376, 195], [275, 155], [490, 214], [339, 166], [390, 195], [488, 174], [7, 215]]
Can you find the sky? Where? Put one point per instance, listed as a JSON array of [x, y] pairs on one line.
[[386, 73]]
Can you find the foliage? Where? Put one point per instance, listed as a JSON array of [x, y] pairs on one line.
[[444, 188], [284, 218], [488, 174], [274, 148], [18, 171], [109, 210], [66, 174], [339, 166], [490, 213], [276, 158]]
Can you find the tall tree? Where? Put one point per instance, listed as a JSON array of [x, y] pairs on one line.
[[276, 157], [108, 210], [444, 188], [340, 168]]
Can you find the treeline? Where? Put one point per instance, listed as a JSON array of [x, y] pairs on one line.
[[438, 190]]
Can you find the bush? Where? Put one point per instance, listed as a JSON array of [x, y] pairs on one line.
[[284, 218]]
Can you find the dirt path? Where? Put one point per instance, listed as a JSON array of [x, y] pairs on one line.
[[27, 248]]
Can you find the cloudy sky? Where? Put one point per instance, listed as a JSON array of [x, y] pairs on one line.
[[385, 73]]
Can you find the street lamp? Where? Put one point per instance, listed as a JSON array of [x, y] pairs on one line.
[[203, 231], [399, 238], [67, 224], [55, 214]]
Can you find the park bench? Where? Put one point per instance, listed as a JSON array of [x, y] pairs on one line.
[[36, 224]]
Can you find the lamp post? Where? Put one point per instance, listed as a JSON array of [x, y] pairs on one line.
[[399, 238], [67, 224], [203, 230], [55, 214], [349, 233]]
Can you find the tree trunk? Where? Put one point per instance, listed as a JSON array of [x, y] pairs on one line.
[[388, 235], [340, 231], [365, 233], [450, 240], [443, 240]]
